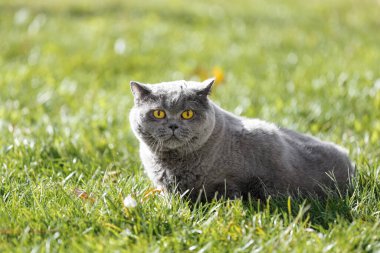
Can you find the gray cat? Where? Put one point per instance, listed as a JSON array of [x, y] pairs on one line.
[[191, 145]]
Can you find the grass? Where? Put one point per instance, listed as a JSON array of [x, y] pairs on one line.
[[65, 68]]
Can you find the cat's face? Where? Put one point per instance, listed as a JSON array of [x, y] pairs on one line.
[[172, 116]]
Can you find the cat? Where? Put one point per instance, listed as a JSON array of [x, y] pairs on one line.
[[190, 145]]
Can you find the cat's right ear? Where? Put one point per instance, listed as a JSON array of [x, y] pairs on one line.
[[205, 87], [140, 90]]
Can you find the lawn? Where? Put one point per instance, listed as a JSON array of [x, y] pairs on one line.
[[68, 157]]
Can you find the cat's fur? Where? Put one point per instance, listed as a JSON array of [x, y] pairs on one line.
[[220, 154]]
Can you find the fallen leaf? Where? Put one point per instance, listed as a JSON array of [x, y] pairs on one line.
[[218, 74], [150, 192], [83, 195]]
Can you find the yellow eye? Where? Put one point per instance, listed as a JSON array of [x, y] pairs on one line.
[[159, 114], [188, 114]]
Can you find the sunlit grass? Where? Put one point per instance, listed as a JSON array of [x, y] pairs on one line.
[[68, 159]]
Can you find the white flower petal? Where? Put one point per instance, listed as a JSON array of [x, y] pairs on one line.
[[129, 202]]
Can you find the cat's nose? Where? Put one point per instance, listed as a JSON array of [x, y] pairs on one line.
[[173, 127]]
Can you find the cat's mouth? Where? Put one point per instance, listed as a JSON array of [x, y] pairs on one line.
[[173, 142], [173, 138]]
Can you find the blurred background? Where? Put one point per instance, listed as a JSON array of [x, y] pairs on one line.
[[68, 157], [65, 68]]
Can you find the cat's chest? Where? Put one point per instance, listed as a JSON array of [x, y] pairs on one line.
[[183, 171]]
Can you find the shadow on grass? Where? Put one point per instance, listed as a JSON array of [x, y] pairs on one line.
[[318, 212]]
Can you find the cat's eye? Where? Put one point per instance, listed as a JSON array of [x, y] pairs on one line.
[[159, 114], [188, 114]]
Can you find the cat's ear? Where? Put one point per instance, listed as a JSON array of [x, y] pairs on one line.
[[205, 87], [140, 90]]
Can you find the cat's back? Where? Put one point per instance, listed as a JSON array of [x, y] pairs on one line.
[[286, 157], [255, 135], [324, 156], [268, 136]]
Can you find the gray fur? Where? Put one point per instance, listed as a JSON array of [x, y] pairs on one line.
[[221, 154]]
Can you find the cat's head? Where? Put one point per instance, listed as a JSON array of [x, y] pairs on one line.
[[172, 115]]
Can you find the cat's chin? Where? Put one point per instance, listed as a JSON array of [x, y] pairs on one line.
[[182, 146], [173, 144]]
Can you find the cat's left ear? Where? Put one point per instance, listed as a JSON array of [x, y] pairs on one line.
[[205, 88], [140, 90]]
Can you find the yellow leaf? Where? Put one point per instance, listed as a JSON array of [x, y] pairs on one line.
[[218, 74], [150, 192], [83, 195]]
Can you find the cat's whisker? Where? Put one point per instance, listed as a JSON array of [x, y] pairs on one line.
[[158, 145]]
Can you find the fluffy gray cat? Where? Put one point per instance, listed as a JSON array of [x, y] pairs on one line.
[[191, 145]]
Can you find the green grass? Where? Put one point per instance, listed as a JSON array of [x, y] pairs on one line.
[[64, 101]]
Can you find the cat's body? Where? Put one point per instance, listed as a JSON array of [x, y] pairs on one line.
[[220, 153]]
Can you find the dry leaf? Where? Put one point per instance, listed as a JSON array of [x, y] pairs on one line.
[[83, 195], [150, 192], [218, 74]]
